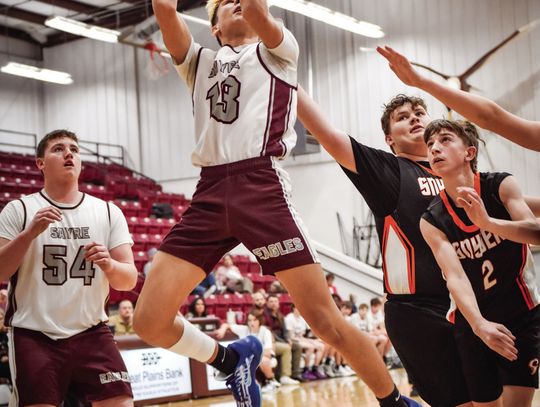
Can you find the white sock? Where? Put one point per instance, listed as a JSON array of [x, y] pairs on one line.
[[194, 344]]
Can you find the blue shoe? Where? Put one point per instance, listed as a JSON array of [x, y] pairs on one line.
[[411, 402], [242, 383]]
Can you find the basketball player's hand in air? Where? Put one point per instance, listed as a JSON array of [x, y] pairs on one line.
[[498, 338], [474, 206], [99, 254], [43, 218], [401, 66]]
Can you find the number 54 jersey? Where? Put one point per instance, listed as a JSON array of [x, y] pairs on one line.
[[55, 290], [244, 100], [501, 271]]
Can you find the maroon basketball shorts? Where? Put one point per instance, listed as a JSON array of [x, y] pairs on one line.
[[89, 364], [245, 202]]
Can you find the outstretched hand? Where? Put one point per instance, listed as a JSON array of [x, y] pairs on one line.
[[473, 205], [498, 338], [401, 66]]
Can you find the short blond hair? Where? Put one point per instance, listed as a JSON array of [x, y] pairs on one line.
[[211, 9]]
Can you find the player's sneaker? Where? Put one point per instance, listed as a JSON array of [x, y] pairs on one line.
[[242, 383], [410, 402]]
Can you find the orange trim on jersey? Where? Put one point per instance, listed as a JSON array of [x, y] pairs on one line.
[[389, 222], [426, 168], [451, 317], [469, 229], [521, 283]]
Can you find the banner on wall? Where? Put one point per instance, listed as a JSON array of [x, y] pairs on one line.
[[157, 373]]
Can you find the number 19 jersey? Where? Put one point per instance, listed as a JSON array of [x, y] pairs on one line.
[[244, 100], [55, 290]]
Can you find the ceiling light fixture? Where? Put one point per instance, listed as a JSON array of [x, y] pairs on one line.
[[328, 16], [83, 29], [29, 71]]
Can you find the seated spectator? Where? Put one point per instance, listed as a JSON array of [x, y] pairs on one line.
[[276, 288], [354, 301], [122, 323], [361, 320], [297, 330], [151, 253], [206, 287], [3, 299], [5, 374], [197, 309], [255, 327], [376, 322], [330, 277], [229, 279], [288, 351], [259, 301]]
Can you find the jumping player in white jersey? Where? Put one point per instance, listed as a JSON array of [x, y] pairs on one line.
[[60, 249], [479, 228], [244, 100]]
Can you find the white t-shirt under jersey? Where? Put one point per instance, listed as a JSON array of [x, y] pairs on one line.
[[55, 290], [244, 100]]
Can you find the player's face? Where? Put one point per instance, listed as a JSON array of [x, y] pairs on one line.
[[229, 19], [407, 125], [448, 153], [61, 160]]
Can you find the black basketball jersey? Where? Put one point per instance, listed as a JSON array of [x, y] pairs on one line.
[[398, 191], [501, 271]]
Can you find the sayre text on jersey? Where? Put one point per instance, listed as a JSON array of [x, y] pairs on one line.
[[70, 233]]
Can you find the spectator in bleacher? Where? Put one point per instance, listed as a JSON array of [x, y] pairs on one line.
[[197, 309], [3, 299], [361, 320], [259, 301], [276, 288], [297, 331], [330, 277], [56, 236], [206, 287], [376, 322], [255, 326], [229, 279], [289, 351], [354, 302], [151, 253], [122, 323], [5, 374]]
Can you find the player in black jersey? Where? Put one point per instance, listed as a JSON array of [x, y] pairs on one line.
[[398, 189], [478, 229]]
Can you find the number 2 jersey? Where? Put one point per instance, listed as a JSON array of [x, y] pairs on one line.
[[501, 271], [244, 100], [55, 291]]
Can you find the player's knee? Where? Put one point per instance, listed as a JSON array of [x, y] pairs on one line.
[[329, 331]]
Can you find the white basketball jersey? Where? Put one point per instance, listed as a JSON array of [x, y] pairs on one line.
[[55, 291], [244, 100]]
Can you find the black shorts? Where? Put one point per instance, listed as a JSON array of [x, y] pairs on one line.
[[486, 371], [88, 363], [424, 341]]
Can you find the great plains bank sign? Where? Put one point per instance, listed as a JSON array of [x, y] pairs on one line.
[[157, 373]]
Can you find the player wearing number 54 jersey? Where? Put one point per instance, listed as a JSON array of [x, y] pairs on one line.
[[478, 229], [60, 250]]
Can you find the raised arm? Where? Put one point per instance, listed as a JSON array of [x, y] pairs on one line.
[[175, 32], [523, 228], [484, 112], [335, 141], [496, 336], [258, 16]]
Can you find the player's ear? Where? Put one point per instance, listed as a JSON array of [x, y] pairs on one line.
[[470, 153], [39, 163], [389, 140]]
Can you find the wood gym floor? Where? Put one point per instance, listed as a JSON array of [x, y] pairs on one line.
[[339, 392]]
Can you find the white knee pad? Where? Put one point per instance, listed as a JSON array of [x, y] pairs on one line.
[[194, 344]]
